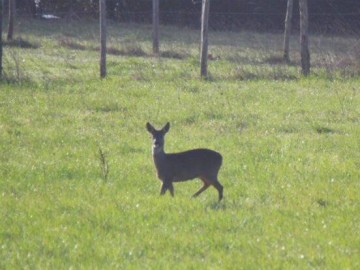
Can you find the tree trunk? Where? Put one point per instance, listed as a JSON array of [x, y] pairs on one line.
[[31, 7], [287, 33], [156, 27], [102, 6], [10, 33], [204, 36], [38, 9], [1, 41], [304, 37]]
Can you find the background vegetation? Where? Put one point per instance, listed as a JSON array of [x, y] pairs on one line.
[[325, 15], [290, 146]]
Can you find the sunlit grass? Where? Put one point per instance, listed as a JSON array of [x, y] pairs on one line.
[[290, 148]]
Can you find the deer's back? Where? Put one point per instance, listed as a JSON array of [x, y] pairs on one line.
[[189, 165]]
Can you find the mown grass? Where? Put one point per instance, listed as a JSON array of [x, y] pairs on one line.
[[290, 146]]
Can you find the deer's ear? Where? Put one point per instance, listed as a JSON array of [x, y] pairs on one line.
[[166, 128], [150, 128]]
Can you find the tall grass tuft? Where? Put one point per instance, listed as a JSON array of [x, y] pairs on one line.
[[104, 165]]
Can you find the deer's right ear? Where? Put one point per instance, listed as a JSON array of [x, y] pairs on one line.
[[166, 128], [150, 128]]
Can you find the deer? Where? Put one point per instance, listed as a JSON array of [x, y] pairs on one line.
[[183, 166]]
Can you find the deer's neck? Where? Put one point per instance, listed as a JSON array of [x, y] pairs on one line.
[[159, 156]]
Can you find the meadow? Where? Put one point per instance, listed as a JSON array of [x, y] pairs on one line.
[[78, 188]]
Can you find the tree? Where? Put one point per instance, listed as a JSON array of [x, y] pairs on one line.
[[102, 6], [1, 42], [287, 33], [204, 36], [156, 27], [304, 37], [11, 19]]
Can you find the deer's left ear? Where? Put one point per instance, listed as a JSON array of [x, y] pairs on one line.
[[166, 128], [150, 128]]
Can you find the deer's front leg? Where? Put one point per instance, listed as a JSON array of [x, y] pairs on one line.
[[167, 185]]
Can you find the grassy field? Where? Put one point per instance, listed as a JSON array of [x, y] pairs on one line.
[[291, 151]]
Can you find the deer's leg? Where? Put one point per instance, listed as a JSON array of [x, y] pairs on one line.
[[167, 185], [204, 187], [163, 189], [219, 187], [171, 188]]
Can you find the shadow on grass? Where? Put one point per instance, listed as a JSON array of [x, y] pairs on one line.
[[130, 50], [21, 43], [174, 55], [217, 206], [322, 202], [11, 80], [69, 44], [126, 51], [278, 60], [325, 130], [255, 74]]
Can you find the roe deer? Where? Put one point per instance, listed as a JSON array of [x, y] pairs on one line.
[[179, 167]]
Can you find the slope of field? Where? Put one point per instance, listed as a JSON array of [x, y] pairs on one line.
[[290, 146]]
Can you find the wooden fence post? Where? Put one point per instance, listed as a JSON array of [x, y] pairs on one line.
[[12, 11], [204, 36], [304, 37], [1, 40], [287, 33], [102, 6], [156, 27]]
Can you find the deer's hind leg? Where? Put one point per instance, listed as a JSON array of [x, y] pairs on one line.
[[204, 187], [219, 188]]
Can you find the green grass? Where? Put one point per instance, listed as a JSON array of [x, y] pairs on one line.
[[290, 146]]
